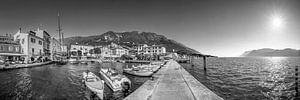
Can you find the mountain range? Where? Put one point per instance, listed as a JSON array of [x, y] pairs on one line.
[[129, 39], [267, 52]]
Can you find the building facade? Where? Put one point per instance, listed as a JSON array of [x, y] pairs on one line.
[[83, 48], [31, 44], [55, 47], [46, 43], [140, 48], [155, 49], [9, 49], [113, 51]]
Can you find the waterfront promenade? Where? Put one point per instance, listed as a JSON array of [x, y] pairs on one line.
[[172, 82]]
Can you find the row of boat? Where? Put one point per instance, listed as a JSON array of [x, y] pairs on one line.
[[144, 70], [115, 80]]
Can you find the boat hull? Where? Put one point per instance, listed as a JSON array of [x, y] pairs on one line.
[[136, 73], [109, 82], [96, 87]]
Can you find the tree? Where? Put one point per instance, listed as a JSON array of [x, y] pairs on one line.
[[97, 50], [126, 57], [92, 51], [73, 53]]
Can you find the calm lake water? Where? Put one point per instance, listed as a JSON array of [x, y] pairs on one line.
[[249, 78], [56, 82]]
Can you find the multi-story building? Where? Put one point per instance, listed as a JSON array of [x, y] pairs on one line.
[[113, 51], [139, 48], [46, 43], [9, 49], [155, 49], [31, 44], [83, 48], [55, 47]]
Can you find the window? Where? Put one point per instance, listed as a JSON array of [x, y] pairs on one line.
[[32, 40], [17, 49], [40, 42], [32, 50], [1, 48], [74, 48], [22, 41], [9, 48]]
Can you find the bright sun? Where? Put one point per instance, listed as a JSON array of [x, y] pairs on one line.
[[277, 21]]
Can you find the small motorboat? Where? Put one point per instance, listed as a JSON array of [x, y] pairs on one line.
[[116, 81], [83, 60], [94, 83], [138, 71]]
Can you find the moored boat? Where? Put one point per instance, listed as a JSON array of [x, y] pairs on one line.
[[84, 60], [94, 83], [138, 71], [73, 60], [116, 81]]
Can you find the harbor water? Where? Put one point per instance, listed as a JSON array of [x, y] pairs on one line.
[[58, 82], [248, 78]]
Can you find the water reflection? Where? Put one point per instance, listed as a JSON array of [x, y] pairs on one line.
[[248, 78], [57, 82]]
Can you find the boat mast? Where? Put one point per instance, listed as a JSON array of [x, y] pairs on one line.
[[59, 31]]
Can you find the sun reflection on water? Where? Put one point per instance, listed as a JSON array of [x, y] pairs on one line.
[[273, 81]]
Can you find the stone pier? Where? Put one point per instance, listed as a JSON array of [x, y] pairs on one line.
[[172, 82]]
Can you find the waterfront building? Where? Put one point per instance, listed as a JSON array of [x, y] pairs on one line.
[[31, 44], [83, 48], [9, 49], [46, 43], [155, 49], [55, 48], [113, 51], [140, 48]]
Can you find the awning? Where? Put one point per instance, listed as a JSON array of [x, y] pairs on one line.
[[11, 54]]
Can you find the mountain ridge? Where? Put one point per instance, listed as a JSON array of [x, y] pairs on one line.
[[268, 52], [129, 39]]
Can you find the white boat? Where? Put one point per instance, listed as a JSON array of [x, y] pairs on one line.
[[138, 71], [116, 81], [152, 68], [94, 83], [73, 60], [84, 60], [157, 63]]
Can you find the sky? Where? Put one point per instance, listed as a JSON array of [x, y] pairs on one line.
[[215, 27]]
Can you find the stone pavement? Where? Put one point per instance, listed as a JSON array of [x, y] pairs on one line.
[[172, 82]]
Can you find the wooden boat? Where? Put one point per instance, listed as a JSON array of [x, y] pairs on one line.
[[114, 80], [94, 83], [138, 71]]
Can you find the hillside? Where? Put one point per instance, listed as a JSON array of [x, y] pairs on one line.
[[129, 39], [267, 52]]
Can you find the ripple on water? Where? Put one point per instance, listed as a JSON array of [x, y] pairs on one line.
[[248, 78]]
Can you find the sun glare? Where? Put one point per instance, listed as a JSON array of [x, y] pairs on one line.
[[277, 21]]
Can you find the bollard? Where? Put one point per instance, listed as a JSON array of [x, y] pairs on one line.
[[204, 63], [296, 81]]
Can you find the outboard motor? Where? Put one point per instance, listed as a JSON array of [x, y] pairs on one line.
[[126, 87]]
